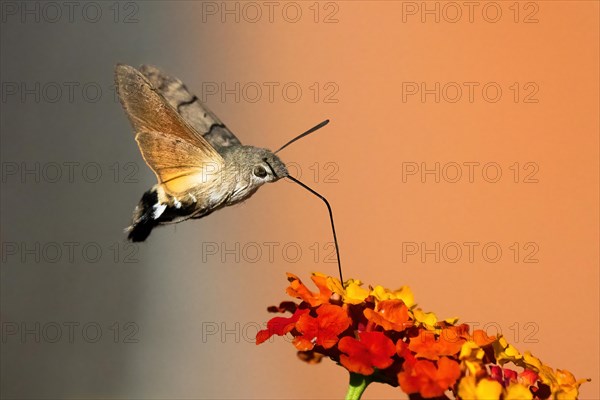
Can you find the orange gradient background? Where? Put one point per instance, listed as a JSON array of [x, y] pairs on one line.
[[549, 307], [197, 292]]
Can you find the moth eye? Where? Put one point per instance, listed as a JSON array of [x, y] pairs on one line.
[[260, 171]]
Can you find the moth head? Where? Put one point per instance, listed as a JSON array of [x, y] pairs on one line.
[[266, 167], [253, 166]]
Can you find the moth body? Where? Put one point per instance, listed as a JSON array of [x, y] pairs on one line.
[[200, 165], [246, 169]]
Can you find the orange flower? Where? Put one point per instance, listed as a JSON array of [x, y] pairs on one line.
[[299, 290], [378, 338], [426, 345], [390, 314], [373, 350], [331, 321], [425, 378], [481, 338]]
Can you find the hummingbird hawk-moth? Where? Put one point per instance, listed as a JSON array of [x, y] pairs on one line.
[[201, 166]]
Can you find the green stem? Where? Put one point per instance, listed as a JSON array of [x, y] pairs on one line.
[[358, 384]]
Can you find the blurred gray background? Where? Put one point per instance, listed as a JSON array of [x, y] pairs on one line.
[[85, 314], [104, 318], [73, 320]]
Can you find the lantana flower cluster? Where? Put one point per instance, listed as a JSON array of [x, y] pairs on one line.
[[380, 335]]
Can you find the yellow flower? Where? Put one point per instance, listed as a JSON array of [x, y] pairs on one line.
[[561, 382], [427, 319], [351, 292], [545, 373], [404, 294], [475, 368], [486, 389], [572, 394], [517, 391], [565, 378], [532, 362], [472, 355], [506, 352], [568, 386], [471, 351]]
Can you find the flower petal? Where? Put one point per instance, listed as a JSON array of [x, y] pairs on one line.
[[323, 330], [404, 293], [390, 314], [518, 392], [373, 350], [299, 290], [425, 378], [427, 345], [279, 326]]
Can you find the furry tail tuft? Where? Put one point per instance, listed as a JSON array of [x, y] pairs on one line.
[[143, 217]]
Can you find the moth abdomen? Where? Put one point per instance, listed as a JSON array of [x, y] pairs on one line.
[[151, 211], [145, 216]]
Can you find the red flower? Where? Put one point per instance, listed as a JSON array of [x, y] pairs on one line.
[[496, 374], [279, 326], [509, 375], [324, 330], [425, 378], [506, 376], [528, 377], [373, 350], [404, 353]]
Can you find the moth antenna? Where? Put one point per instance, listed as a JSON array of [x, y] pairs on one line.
[[337, 249], [308, 132]]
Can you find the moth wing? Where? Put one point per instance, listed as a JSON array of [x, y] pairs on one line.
[[150, 112], [169, 145], [191, 109], [178, 165]]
